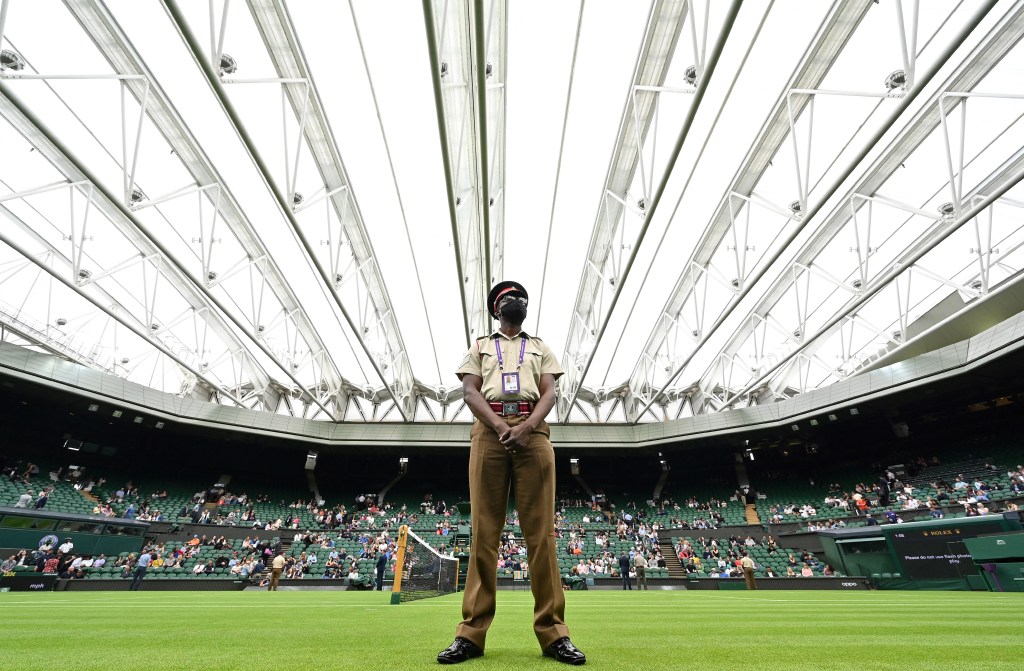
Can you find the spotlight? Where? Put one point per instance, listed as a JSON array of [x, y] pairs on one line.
[[814, 422], [795, 427], [94, 407], [117, 414], [10, 60], [228, 65], [854, 411], [832, 418], [897, 80], [691, 75], [159, 425], [138, 419]]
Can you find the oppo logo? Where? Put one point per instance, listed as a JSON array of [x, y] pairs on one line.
[[850, 584]]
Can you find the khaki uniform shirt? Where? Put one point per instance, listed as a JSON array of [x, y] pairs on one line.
[[482, 360], [747, 562], [640, 561], [278, 562]]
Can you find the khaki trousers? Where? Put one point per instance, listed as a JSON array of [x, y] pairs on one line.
[[491, 472], [275, 575], [748, 575]]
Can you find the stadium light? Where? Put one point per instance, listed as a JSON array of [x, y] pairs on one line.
[[159, 425], [94, 407], [117, 414]]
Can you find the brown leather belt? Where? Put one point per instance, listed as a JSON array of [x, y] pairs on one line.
[[511, 408]]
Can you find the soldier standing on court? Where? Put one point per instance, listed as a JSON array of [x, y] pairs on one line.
[[508, 380]]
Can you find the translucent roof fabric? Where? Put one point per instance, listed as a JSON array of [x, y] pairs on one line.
[[299, 207]]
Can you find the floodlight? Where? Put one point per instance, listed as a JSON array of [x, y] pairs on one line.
[[94, 407], [814, 422], [228, 65], [138, 419], [158, 425], [832, 418], [118, 413], [10, 60], [297, 199], [690, 75], [947, 210], [897, 80], [795, 427]]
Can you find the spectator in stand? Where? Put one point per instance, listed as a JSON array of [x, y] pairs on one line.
[[41, 501], [25, 499]]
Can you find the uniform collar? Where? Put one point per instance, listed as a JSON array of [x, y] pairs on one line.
[[498, 334]]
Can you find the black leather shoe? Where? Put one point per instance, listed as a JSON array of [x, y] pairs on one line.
[[459, 651], [564, 651]]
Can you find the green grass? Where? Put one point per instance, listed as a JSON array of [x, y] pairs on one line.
[[635, 631]]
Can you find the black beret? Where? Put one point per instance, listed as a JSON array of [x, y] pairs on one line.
[[499, 290]]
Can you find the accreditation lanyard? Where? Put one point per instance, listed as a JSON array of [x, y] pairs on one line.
[[509, 381]]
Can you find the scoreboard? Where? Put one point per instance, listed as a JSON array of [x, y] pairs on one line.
[[937, 553]]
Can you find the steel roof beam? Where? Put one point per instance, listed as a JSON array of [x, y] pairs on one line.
[[1003, 38], [586, 327], [827, 45], [285, 51], [455, 40], [825, 49], [50, 149], [117, 316], [118, 50], [1009, 178], [284, 204]]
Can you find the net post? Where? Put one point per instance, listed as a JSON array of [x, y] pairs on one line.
[[396, 585]]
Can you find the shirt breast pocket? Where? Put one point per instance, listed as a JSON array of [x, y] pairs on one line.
[[488, 364], [532, 364]]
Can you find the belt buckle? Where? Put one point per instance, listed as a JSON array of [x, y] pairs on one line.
[[509, 408]]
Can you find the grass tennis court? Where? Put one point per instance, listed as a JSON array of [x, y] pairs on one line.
[[328, 630]]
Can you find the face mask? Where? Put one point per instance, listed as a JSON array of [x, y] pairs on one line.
[[514, 312]]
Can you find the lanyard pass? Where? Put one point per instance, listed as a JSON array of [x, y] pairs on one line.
[[509, 381]]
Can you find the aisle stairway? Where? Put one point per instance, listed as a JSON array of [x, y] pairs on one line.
[[285, 546], [675, 569], [752, 516]]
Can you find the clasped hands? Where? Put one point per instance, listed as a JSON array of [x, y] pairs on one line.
[[514, 437]]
